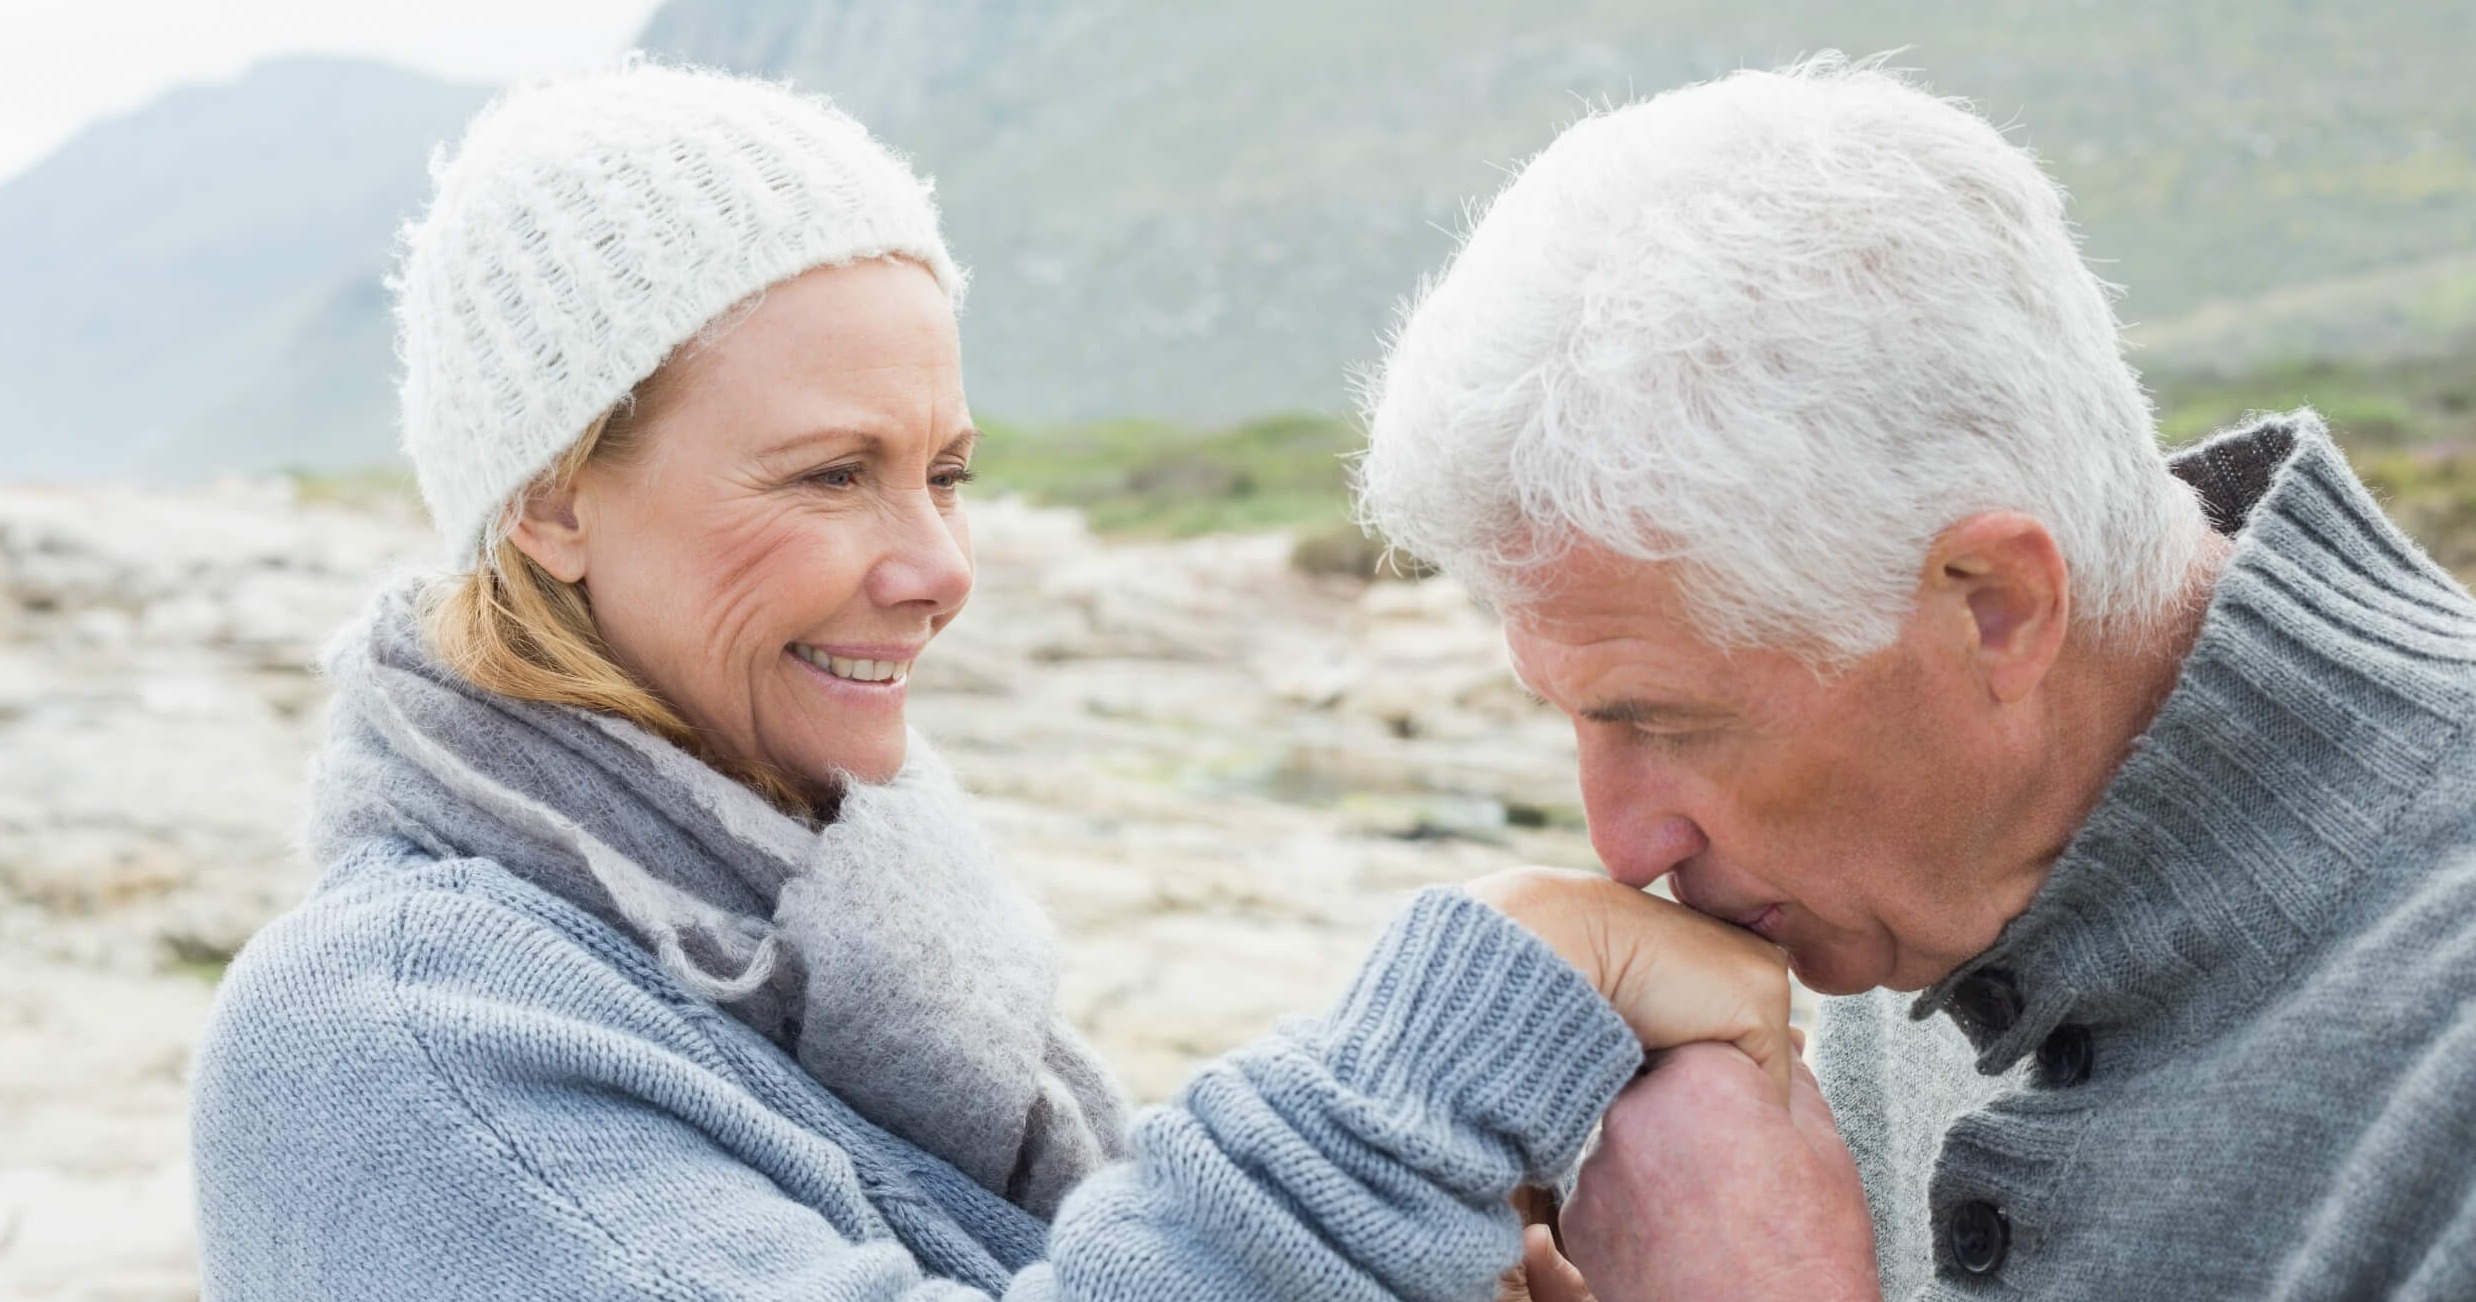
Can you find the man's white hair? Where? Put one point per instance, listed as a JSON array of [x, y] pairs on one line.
[[1785, 328]]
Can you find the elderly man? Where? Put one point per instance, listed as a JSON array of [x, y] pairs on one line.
[[1785, 425]]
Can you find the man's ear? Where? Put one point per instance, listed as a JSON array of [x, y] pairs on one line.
[[550, 529], [2004, 570]]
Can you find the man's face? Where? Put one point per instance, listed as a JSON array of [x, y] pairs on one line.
[[1853, 820]]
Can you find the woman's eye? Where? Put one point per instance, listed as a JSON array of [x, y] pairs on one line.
[[834, 477], [952, 477]]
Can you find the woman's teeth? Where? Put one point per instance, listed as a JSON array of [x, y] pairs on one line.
[[858, 671]]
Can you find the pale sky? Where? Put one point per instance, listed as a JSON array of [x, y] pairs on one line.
[[65, 63]]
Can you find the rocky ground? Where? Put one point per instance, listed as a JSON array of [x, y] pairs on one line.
[[1220, 774]]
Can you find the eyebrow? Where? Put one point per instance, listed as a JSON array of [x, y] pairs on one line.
[[963, 441]]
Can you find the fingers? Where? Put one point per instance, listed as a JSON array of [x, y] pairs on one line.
[[1549, 1276], [1675, 976], [1536, 1206], [1685, 978], [1809, 1110]]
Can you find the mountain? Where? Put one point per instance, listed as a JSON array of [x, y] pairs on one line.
[[195, 287], [1209, 210]]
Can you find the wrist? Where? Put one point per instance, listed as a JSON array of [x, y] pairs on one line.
[[1551, 904]]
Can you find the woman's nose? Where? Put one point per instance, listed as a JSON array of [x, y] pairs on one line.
[[926, 561]]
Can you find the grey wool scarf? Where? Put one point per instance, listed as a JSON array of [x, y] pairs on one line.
[[887, 951]]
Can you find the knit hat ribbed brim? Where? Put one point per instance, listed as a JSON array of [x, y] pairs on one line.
[[586, 228]]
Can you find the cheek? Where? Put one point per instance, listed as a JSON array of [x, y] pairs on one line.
[[958, 525], [702, 602], [1862, 814]]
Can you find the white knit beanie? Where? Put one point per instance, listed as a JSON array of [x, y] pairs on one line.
[[586, 228]]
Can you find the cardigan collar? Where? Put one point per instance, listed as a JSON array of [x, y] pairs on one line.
[[2331, 676]]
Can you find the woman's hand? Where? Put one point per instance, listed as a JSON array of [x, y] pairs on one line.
[[1675, 976]]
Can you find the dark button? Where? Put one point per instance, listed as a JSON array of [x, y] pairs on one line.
[[1981, 1234], [1986, 1002], [2064, 1057]]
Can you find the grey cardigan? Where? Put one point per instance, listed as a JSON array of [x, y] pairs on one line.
[[2230, 1049]]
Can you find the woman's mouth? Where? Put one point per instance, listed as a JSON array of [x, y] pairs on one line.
[[882, 670]]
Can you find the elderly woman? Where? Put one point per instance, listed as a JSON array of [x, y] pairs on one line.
[[654, 957]]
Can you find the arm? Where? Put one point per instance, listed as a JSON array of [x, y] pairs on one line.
[[432, 1095], [1368, 1154], [567, 1136]]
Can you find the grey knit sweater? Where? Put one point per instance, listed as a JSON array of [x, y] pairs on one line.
[[2229, 1051]]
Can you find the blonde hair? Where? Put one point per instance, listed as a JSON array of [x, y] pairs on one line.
[[511, 627]]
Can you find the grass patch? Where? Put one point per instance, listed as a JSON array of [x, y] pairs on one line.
[[2423, 399], [1147, 478], [2408, 426], [209, 971]]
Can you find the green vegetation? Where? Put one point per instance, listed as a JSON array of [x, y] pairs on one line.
[[1209, 210], [383, 486], [210, 971], [1154, 479], [2409, 424], [1147, 478], [2423, 399]]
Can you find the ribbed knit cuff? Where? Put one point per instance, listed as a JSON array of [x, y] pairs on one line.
[[1461, 1008]]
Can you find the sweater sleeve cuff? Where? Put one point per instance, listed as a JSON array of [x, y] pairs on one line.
[[1462, 1008]]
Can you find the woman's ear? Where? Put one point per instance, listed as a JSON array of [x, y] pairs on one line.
[[550, 529]]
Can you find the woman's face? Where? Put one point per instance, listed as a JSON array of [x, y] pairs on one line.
[[787, 535]]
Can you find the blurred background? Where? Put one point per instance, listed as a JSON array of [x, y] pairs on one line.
[[1219, 743]]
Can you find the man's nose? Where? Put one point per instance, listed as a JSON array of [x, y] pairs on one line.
[[1635, 823], [1648, 854], [925, 563]]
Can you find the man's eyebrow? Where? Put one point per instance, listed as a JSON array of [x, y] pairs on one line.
[[1637, 713]]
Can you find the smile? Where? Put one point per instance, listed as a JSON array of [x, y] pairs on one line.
[[854, 670]]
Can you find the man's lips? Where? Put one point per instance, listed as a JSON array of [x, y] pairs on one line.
[[1762, 919]]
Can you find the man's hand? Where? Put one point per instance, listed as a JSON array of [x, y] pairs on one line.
[[1675, 976], [1705, 1186], [1544, 1275]]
